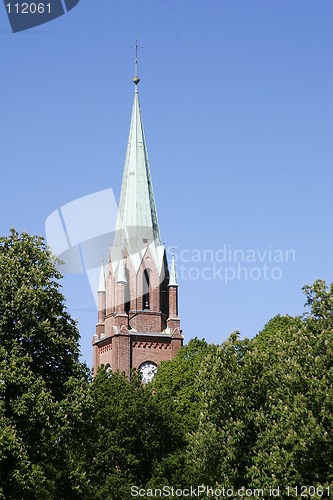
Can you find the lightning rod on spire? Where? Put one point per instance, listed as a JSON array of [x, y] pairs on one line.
[[136, 78]]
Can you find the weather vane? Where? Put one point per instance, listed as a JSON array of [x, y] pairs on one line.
[[136, 78]]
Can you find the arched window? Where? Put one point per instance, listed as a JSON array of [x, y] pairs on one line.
[[145, 290]]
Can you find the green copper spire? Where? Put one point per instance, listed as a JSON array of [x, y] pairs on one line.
[[137, 224]]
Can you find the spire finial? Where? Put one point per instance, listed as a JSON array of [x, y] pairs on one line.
[[121, 272], [136, 78], [173, 274], [101, 286]]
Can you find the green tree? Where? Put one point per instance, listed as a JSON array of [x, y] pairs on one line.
[[295, 425], [267, 419], [277, 326], [177, 398], [129, 435], [176, 383], [217, 449], [319, 300], [33, 314], [42, 382]]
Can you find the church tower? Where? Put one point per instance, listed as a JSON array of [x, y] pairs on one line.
[[138, 324]]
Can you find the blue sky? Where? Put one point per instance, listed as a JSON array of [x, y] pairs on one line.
[[236, 97]]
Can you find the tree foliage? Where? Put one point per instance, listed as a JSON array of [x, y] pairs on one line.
[[255, 413], [39, 367], [129, 435], [176, 381], [33, 317], [267, 420]]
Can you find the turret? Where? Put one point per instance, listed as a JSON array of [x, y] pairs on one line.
[[173, 321], [101, 292]]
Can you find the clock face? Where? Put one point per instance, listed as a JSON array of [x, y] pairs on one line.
[[148, 370]]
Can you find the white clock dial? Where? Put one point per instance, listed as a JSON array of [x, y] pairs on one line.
[[148, 370]]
